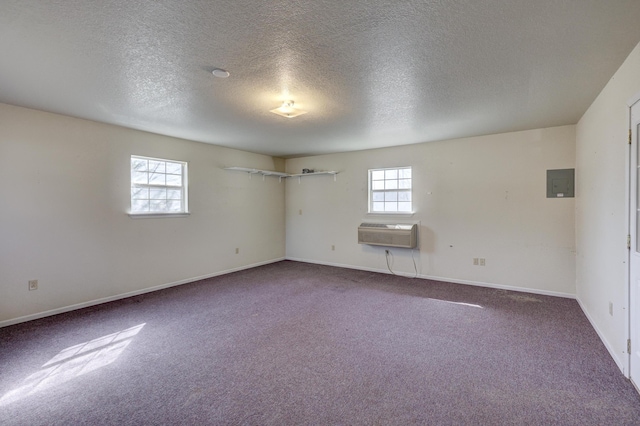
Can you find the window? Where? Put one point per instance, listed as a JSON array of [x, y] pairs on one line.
[[158, 186], [390, 190]]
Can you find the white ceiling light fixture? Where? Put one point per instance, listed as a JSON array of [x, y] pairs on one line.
[[220, 73], [287, 110]]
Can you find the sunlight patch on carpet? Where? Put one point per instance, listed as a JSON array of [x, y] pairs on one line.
[[73, 362], [458, 303]]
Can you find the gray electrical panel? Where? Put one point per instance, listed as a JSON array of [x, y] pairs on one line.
[[561, 183]]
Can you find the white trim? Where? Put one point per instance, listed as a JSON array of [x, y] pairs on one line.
[[157, 215], [632, 100], [627, 219], [390, 213], [69, 308], [616, 358], [370, 190], [442, 279], [183, 187]]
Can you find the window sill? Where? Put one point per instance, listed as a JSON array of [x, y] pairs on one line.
[[390, 213], [157, 215]]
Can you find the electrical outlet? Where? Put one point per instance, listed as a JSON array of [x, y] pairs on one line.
[[333, 248], [475, 261], [482, 261], [33, 285], [611, 308], [237, 250]]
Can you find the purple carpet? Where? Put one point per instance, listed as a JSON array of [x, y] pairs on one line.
[[296, 343]]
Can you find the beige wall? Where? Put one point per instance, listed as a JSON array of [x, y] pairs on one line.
[[64, 191], [476, 197], [601, 209]]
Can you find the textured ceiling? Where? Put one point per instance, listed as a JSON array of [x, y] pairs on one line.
[[370, 73]]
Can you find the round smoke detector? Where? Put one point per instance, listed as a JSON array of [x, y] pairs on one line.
[[220, 73]]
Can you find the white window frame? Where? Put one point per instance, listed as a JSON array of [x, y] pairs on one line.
[[171, 189], [392, 187]]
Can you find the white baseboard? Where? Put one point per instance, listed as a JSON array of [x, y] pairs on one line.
[[616, 357], [129, 294], [443, 279]]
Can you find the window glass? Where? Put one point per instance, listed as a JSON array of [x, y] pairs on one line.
[[390, 190], [158, 186]]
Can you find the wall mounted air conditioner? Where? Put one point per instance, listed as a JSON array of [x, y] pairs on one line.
[[388, 234]]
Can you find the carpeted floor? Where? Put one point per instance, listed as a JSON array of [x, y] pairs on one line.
[[295, 343]]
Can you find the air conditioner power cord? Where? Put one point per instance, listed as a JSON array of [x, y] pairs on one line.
[[387, 252]]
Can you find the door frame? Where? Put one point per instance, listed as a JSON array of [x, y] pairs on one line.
[[628, 217]]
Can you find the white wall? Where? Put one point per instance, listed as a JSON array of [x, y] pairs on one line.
[[64, 197], [476, 197], [601, 224]]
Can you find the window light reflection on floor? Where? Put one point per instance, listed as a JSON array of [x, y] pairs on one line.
[[73, 362], [458, 303]]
